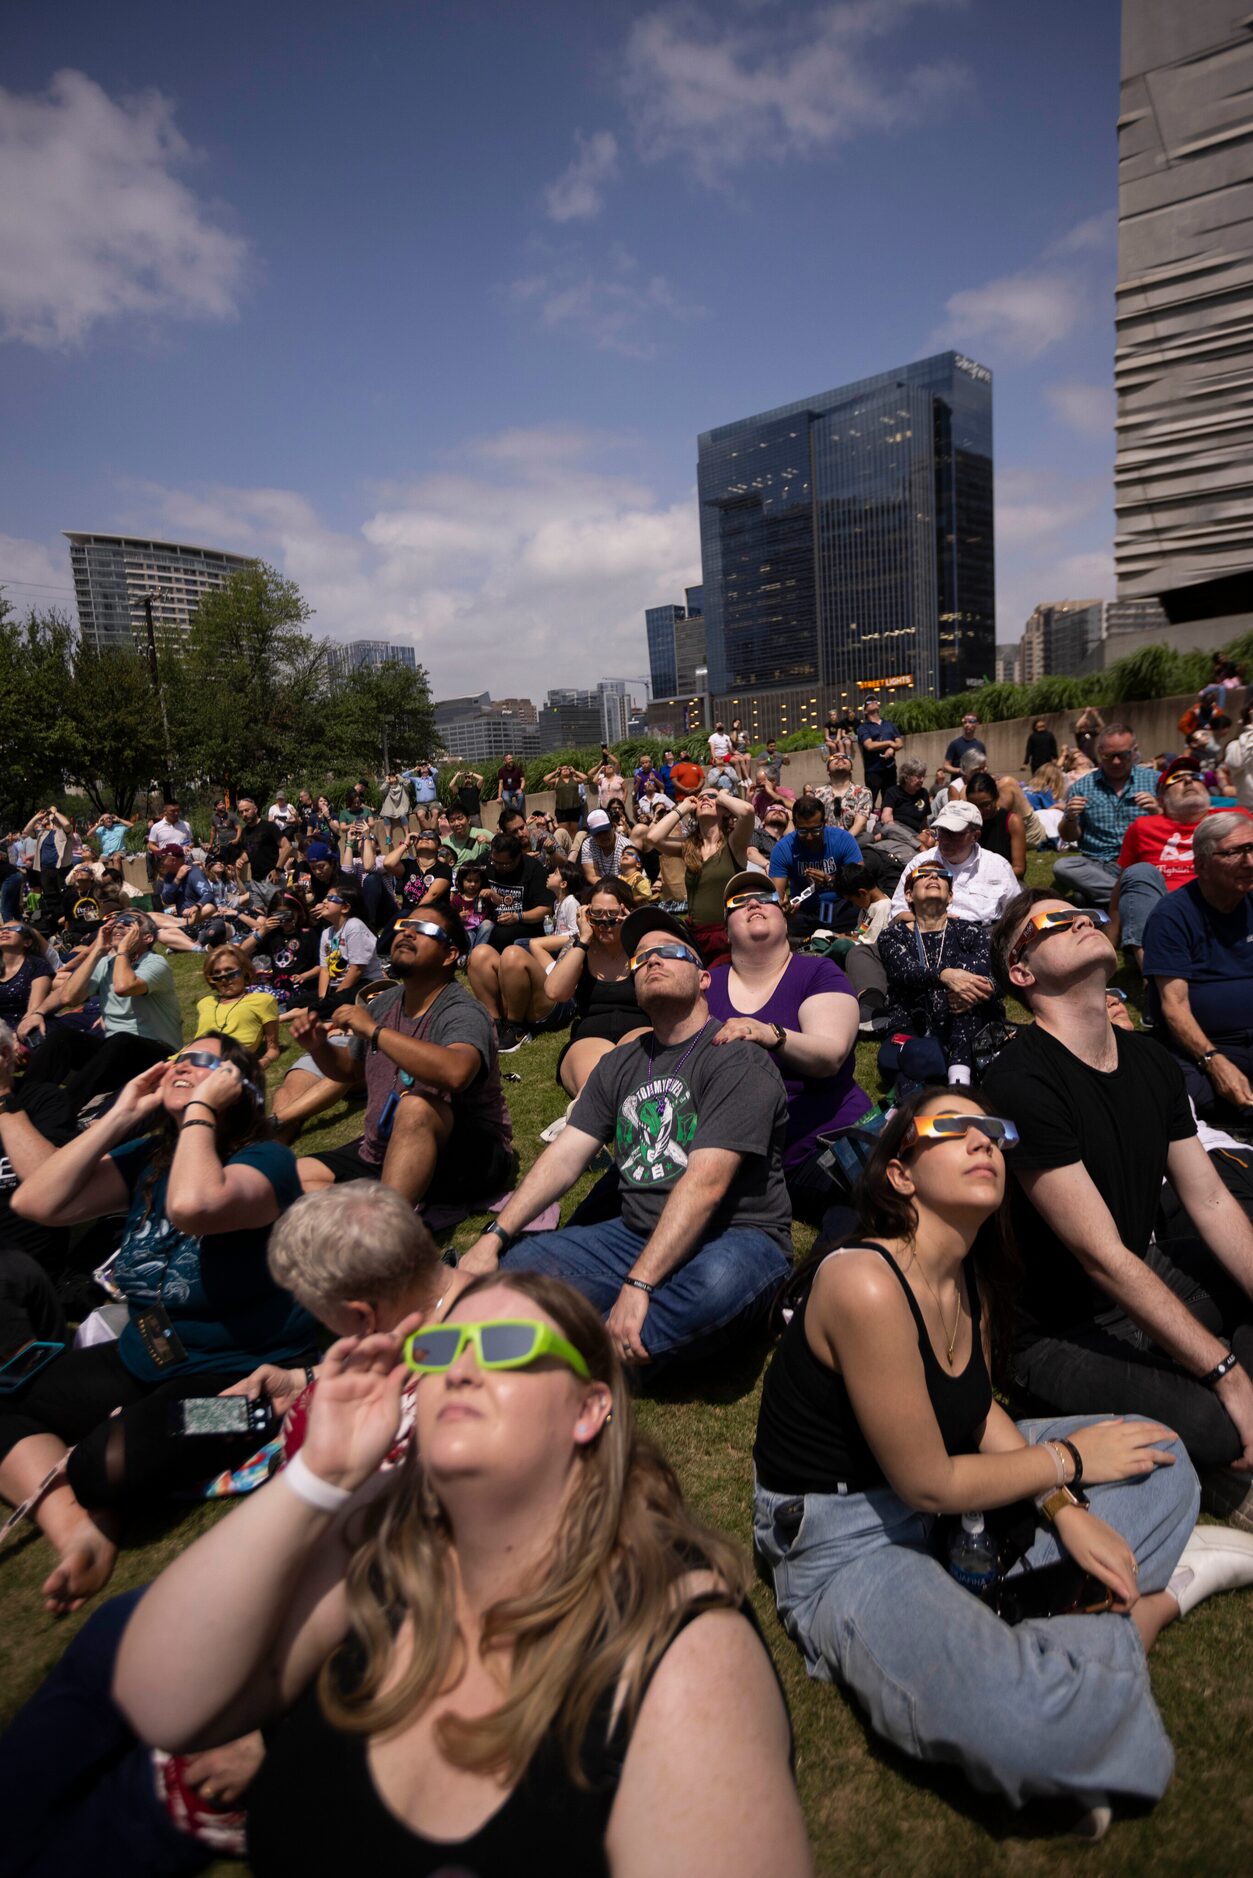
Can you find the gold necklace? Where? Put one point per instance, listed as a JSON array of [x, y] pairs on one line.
[[950, 1341]]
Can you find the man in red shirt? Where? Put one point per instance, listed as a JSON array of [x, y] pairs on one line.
[[686, 777], [1156, 853]]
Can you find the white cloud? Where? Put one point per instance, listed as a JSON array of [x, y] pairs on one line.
[[1053, 542], [720, 94], [523, 565], [614, 307], [578, 195], [1088, 409], [33, 574], [94, 223], [1019, 315]]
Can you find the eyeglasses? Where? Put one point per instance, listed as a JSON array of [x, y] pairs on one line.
[[675, 951], [196, 1059], [1041, 925], [1241, 853], [737, 900], [606, 919], [1002, 1134], [502, 1343], [426, 927]]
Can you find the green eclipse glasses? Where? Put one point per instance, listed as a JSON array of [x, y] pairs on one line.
[[501, 1343], [675, 951], [1002, 1134]]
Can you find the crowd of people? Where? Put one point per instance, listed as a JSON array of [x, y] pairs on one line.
[[1012, 1370]]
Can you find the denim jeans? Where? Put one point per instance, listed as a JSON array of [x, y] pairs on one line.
[[12, 893], [1088, 881], [1140, 889], [77, 1791], [727, 1283], [1056, 1706], [513, 799]]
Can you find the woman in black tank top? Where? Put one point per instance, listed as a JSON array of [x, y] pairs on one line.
[[877, 1415], [1002, 831], [452, 1676]]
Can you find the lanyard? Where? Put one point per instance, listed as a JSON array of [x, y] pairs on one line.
[[923, 960]]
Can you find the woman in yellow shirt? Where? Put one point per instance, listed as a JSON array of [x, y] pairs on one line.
[[251, 1017]]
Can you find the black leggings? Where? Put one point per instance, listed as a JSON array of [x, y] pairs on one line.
[[129, 1459], [90, 1064]]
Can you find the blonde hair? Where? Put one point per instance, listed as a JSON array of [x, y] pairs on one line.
[[1048, 776], [236, 956], [357, 1240], [598, 1616]]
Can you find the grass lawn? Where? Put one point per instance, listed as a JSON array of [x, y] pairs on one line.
[[867, 1810]]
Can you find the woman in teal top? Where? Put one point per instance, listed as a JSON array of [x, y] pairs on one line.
[[200, 1192]]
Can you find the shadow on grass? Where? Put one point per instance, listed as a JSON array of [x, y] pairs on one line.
[[728, 1375]]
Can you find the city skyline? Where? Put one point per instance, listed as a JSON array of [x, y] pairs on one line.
[[445, 363]]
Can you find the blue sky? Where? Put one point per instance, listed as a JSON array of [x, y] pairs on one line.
[[427, 303]]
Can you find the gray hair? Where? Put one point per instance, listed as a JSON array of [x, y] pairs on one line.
[[972, 761], [358, 1240], [1213, 829], [1112, 730], [911, 766]]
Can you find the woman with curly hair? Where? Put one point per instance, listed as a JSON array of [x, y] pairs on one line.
[[516, 1651], [184, 1154], [236, 1007]]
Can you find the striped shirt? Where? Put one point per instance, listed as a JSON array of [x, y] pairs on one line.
[[1110, 812]]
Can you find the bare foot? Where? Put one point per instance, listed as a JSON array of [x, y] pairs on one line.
[[85, 1566]]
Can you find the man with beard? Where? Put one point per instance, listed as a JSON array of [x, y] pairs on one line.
[[517, 900], [436, 1123], [696, 1131]]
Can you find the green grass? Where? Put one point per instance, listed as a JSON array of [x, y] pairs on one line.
[[868, 1811]]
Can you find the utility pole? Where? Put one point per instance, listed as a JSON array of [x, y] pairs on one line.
[[154, 673]]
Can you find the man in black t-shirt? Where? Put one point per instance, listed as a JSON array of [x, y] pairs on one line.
[[879, 742], [517, 900], [696, 1131], [1107, 1323], [263, 842]]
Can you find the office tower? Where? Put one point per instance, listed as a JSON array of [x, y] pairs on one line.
[[1006, 665], [114, 573], [615, 708], [1184, 357], [1058, 638], [355, 655], [846, 539], [676, 645]]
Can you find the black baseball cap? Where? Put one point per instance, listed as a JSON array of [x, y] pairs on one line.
[[652, 919]]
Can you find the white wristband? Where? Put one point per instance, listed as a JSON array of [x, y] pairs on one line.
[[307, 1486]]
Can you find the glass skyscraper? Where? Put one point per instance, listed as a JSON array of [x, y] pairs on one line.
[[846, 540]]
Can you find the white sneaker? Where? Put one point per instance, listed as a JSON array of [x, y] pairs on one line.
[[1218, 1559], [1092, 1824]]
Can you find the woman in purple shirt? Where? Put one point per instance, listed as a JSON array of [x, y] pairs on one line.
[[802, 1010]]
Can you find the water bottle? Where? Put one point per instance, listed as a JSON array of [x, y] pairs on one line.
[[972, 1555]]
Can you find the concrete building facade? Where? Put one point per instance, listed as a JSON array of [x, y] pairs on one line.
[[113, 574]]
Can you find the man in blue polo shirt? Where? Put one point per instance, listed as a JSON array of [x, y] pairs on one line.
[[809, 857], [1198, 959], [1099, 809]]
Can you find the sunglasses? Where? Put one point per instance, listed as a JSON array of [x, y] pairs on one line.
[[502, 1343], [335, 899], [196, 1059], [426, 927], [606, 919], [1041, 925], [737, 900], [675, 951], [945, 1127], [225, 977]]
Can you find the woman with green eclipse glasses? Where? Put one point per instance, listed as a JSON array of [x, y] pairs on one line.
[[455, 1653]]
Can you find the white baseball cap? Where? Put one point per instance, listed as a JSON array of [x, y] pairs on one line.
[[598, 820], [955, 816]]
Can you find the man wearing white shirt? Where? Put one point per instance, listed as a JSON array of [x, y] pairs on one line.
[[281, 811], [170, 832], [983, 883]]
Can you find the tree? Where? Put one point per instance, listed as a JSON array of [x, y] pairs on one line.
[[119, 742], [247, 690], [39, 737], [380, 717]]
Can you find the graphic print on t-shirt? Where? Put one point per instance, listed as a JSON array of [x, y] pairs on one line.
[[656, 1126]]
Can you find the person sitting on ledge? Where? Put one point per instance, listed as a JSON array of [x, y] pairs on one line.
[[703, 1235]]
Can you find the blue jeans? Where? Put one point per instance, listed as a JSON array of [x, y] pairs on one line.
[[1140, 889], [513, 799], [727, 1283], [1055, 1706], [12, 892], [1087, 881], [76, 1787]]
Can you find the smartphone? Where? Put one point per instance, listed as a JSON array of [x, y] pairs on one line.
[[26, 1362], [221, 1415]]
